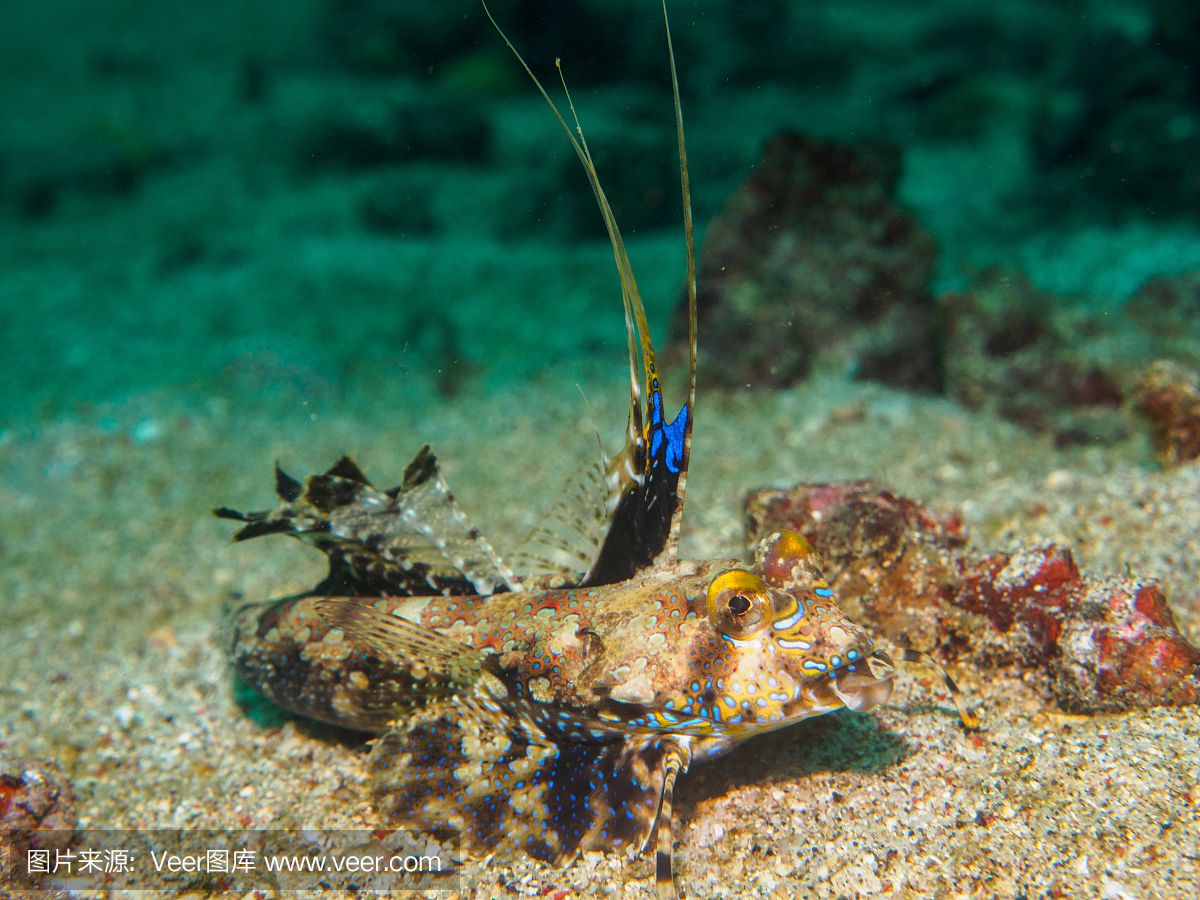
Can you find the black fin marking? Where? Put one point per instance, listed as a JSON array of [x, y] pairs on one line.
[[348, 469], [642, 526], [495, 777], [410, 540], [287, 487]]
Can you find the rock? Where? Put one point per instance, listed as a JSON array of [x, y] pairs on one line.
[[1121, 649], [1103, 644], [37, 810], [907, 556], [1169, 395], [1165, 311], [1015, 351], [811, 262]]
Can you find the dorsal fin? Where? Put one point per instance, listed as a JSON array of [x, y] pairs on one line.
[[412, 539], [646, 480]]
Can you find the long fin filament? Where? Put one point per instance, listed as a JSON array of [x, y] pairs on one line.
[[690, 244]]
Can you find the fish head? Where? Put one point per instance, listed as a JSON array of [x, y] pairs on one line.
[[790, 651]]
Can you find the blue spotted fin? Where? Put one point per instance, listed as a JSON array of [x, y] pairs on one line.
[[410, 540], [499, 780], [646, 480]]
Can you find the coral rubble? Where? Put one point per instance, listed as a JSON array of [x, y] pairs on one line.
[[1104, 644], [37, 809], [1169, 394]]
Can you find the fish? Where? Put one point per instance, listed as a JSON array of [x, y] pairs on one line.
[[549, 704]]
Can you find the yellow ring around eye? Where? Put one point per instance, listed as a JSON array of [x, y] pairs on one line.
[[736, 580]]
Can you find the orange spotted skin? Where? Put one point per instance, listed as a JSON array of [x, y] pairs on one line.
[[554, 721], [644, 653], [548, 644]]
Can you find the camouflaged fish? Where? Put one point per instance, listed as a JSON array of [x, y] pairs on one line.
[[551, 711]]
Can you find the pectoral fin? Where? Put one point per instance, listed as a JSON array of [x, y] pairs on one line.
[[383, 668]]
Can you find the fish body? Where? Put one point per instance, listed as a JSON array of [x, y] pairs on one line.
[[549, 708], [643, 654]]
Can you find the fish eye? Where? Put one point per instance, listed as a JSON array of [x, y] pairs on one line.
[[739, 603]]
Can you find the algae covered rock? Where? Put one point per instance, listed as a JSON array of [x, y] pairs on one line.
[[37, 811], [1027, 356], [812, 262], [1169, 395], [1101, 644]]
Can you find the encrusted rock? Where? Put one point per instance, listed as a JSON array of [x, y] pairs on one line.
[[1104, 644], [1015, 350], [37, 809], [811, 261], [1121, 648], [1169, 394], [891, 561]]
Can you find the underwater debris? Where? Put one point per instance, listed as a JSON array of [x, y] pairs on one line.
[[1105, 644], [37, 808], [811, 260], [1169, 395]]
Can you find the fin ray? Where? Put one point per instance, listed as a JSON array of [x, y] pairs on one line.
[[649, 476], [412, 539], [497, 779]]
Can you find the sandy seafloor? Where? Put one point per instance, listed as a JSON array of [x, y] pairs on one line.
[[114, 574], [113, 664]]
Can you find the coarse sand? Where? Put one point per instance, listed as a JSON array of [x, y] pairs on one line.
[[115, 575]]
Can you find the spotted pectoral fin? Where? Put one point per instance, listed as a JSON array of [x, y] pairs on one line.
[[409, 540], [496, 778], [407, 666]]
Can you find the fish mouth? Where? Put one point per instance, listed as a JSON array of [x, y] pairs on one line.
[[860, 687]]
